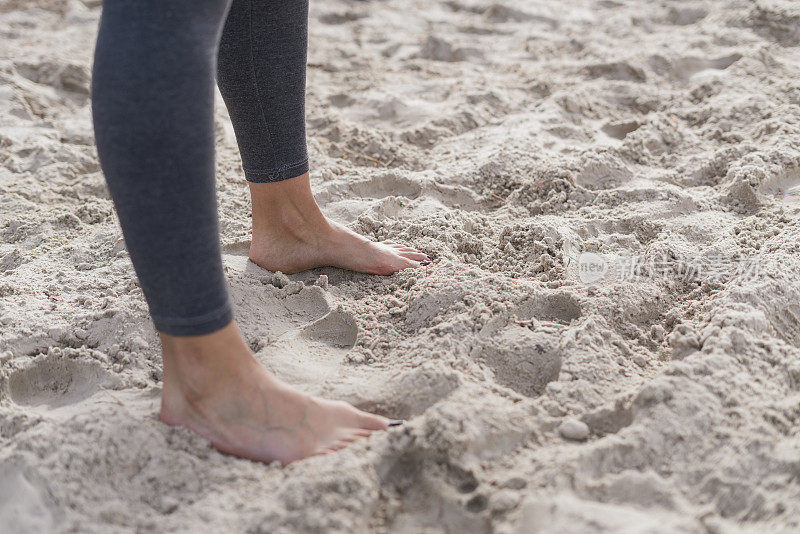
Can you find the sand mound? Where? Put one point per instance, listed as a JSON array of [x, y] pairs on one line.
[[607, 339]]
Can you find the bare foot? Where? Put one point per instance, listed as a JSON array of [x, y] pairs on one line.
[[291, 234], [214, 386]]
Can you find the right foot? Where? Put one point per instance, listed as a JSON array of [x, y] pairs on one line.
[[214, 386], [300, 246], [291, 234]]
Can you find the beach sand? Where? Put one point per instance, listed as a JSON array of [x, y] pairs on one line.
[[607, 340]]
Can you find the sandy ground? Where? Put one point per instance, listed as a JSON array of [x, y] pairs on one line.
[[607, 340]]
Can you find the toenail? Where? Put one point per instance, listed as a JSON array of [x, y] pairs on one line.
[[396, 422]]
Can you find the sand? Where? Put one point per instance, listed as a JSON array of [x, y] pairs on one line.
[[607, 340]]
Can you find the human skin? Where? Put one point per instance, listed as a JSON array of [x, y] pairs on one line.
[[214, 385]]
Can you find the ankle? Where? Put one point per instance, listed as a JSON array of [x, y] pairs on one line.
[[195, 365], [286, 206], [289, 220]]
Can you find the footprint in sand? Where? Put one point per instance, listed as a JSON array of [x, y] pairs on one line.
[[405, 395], [521, 359], [337, 329], [55, 381], [295, 329], [412, 187]]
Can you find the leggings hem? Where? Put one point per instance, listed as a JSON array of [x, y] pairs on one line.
[[195, 326], [284, 172]]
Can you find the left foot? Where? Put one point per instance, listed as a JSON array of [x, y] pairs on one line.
[[214, 386], [290, 234]]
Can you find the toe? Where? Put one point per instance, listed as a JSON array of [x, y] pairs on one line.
[[372, 422], [393, 262], [416, 256], [400, 261], [402, 248], [351, 436], [339, 445]]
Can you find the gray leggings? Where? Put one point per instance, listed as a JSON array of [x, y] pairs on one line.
[[153, 100]]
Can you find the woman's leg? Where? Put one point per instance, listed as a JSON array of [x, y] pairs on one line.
[[261, 75], [153, 110], [153, 106]]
